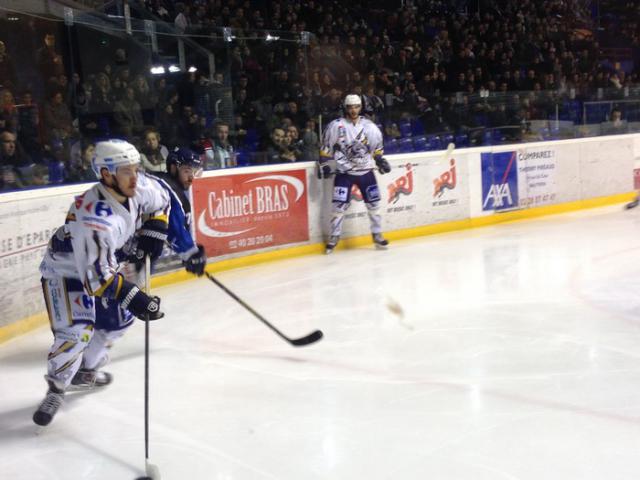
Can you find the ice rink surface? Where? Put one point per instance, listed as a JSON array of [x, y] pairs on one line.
[[518, 358]]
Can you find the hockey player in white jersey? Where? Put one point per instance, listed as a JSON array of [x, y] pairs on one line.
[[81, 268], [355, 143]]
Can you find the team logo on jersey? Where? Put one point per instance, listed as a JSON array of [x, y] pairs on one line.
[[401, 186], [84, 301], [340, 194], [499, 180], [373, 192], [445, 181]]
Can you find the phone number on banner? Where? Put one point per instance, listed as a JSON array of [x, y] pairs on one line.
[[251, 241]]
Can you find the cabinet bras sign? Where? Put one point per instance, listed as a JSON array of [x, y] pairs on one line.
[[235, 213]]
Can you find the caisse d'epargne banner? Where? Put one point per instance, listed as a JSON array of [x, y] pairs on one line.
[[235, 213]]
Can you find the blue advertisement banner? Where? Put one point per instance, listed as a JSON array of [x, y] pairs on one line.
[[499, 180]]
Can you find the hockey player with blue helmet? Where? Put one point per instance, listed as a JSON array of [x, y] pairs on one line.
[[183, 165]]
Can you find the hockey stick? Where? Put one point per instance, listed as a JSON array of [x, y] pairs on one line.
[[450, 148], [151, 470], [296, 342]]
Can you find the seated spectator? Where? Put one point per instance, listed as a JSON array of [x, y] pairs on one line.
[[9, 119], [153, 155], [80, 169], [275, 149], [48, 60], [57, 122], [615, 125], [310, 142], [145, 97], [15, 166], [59, 165], [29, 124], [128, 115], [218, 150], [294, 143], [7, 69]]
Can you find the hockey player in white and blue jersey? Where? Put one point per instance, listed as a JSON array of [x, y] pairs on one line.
[[183, 165], [82, 267], [355, 143]]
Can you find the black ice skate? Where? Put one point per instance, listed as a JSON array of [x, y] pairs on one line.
[[86, 378], [331, 244], [380, 242], [632, 204], [49, 406]]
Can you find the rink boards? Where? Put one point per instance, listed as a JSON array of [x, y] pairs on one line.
[[247, 215]]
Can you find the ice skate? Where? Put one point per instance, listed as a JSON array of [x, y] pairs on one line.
[[632, 204], [86, 378], [331, 244], [380, 242], [49, 406]]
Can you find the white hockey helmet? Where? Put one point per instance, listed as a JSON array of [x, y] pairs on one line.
[[114, 153], [352, 100]]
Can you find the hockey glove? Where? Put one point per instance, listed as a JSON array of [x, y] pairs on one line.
[[151, 238], [195, 263], [324, 171], [383, 165], [137, 302]]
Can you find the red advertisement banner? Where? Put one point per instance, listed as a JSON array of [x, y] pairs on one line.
[[235, 213]]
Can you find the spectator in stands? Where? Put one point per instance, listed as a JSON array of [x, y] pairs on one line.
[[15, 166], [81, 170], [218, 150], [182, 20], [9, 119], [145, 98], [7, 69], [294, 143], [29, 124], [616, 124], [153, 155], [276, 147], [58, 162], [48, 60], [310, 142], [57, 121], [128, 115]]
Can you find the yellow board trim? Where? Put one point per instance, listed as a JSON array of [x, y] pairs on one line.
[[30, 323]]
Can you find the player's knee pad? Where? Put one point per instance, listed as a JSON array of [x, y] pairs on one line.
[[339, 208], [97, 353], [373, 206], [67, 350]]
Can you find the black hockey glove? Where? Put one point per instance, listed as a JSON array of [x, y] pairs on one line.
[[137, 302], [195, 263], [383, 165], [324, 171], [150, 241]]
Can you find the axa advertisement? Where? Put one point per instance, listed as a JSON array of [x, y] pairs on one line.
[[236, 213]]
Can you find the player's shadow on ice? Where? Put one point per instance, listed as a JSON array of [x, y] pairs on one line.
[[16, 425]]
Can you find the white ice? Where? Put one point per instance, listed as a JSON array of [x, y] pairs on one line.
[[518, 358]]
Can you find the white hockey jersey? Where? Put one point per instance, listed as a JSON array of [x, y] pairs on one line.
[[352, 146], [97, 226]]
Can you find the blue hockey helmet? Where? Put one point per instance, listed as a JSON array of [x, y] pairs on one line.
[[184, 157]]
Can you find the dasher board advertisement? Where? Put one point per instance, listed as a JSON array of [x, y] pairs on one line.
[[235, 213]]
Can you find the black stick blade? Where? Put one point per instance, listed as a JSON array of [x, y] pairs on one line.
[[309, 339]]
